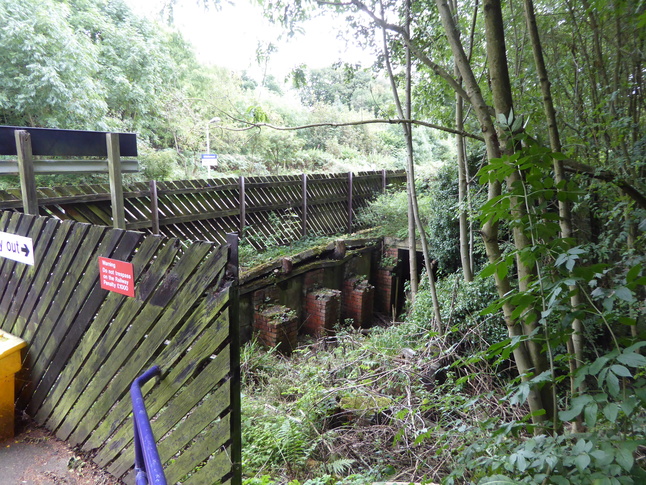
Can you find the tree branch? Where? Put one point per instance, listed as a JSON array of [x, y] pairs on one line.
[[423, 58], [577, 167], [251, 126]]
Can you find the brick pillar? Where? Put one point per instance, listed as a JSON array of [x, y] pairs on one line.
[[358, 301], [276, 326], [323, 312], [385, 289]]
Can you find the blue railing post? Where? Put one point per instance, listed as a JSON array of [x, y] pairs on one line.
[[148, 466]]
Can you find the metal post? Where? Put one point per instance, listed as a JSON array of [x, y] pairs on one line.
[[243, 204], [304, 184], [208, 139], [234, 334], [154, 208], [350, 180]]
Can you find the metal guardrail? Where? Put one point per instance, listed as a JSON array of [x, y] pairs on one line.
[[148, 466]]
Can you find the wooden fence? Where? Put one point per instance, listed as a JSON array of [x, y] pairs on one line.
[[264, 209], [86, 345]]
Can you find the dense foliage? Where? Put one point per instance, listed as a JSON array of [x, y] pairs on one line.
[[77, 64]]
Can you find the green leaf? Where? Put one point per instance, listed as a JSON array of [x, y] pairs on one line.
[[576, 406], [628, 405], [610, 411], [582, 461], [590, 414], [598, 364], [488, 270], [620, 370], [559, 480], [632, 359], [624, 457], [633, 273], [602, 481], [603, 458], [627, 321], [624, 294], [634, 347], [497, 480], [613, 384], [502, 270]]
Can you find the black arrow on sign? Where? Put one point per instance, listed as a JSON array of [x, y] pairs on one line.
[[25, 250]]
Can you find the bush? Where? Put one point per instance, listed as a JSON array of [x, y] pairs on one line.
[[159, 165]]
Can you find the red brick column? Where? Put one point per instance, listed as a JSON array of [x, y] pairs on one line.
[[385, 280], [323, 312], [384, 290], [358, 301], [276, 326]]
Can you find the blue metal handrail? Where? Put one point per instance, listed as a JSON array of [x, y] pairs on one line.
[[148, 466]]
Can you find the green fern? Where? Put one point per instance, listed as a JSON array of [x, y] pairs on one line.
[[340, 467]]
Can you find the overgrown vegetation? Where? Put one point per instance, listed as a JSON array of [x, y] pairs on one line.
[[403, 403]]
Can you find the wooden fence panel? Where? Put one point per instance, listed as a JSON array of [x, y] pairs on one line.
[[266, 210], [86, 345]]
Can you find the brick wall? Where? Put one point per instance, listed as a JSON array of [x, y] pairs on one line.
[[322, 312], [313, 279], [385, 280], [276, 326], [358, 301]]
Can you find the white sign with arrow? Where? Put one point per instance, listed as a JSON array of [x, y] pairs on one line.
[[17, 248]]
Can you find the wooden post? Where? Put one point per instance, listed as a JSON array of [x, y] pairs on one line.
[[116, 184], [384, 180], [350, 180], [304, 184], [26, 172], [243, 205], [154, 208], [234, 345]]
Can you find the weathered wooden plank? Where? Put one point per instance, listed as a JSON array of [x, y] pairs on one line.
[[201, 449], [68, 253], [45, 319], [26, 172], [112, 320], [268, 184], [174, 301], [119, 427], [60, 355], [11, 304], [11, 221], [22, 273], [216, 402], [74, 292], [39, 284], [211, 472]]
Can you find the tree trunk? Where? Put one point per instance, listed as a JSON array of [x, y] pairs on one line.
[[503, 104], [522, 354], [565, 220], [463, 187]]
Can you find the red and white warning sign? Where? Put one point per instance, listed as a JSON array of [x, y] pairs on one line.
[[117, 276]]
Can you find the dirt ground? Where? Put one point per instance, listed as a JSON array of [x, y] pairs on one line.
[[36, 457]]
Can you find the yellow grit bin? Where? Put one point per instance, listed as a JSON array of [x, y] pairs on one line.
[[10, 363]]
